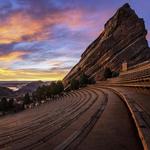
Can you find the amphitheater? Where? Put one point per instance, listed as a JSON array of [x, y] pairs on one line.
[[109, 115]]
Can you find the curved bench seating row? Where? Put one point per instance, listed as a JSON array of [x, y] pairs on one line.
[[138, 76], [49, 122]]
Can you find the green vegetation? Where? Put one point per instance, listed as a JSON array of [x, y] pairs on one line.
[[42, 93], [11, 104], [6, 105], [48, 91], [60, 86], [108, 73], [83, 81], [74, 84], [27, 99], [54, 88], [115, 74]]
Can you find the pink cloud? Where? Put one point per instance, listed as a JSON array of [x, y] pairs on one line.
[[13, 56], [21, 26]]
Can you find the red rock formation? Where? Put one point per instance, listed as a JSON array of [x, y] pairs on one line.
[[123, 38]]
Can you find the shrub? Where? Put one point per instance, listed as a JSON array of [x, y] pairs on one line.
[[4, 105], [115, 74], [41, 93], [74, 84], [107, 73], [11, 104], [92, 80], [53, 88], [83, 80], [27, 99], [48, 90], [60, 87]]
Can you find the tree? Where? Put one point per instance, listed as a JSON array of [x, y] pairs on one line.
[[83, 80], [60, 87], [27, 99], [40, 93], [18, 107], [54, 89], [48, 91], [115, 74], [107, 73], [74, 84], [4, 105], [11, 104], [34, 96]]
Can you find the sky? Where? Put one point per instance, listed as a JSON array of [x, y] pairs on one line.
[[44, 39]]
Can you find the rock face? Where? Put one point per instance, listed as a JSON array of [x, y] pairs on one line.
[[123, 39]]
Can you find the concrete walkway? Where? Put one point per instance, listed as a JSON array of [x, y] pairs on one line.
[[114, 130]]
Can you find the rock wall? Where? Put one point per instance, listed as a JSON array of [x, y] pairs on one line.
[[123, 39]]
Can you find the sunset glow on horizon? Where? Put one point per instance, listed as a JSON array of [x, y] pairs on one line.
[[44, 39]]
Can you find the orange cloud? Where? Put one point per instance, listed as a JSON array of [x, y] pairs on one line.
[[20, 26], [12, 56], [72, 18], [55, 63], [32, 75], [16, 27]]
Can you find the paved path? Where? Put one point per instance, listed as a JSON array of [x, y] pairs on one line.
[[114, 130]]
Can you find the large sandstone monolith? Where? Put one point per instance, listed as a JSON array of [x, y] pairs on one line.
[[123, 39]]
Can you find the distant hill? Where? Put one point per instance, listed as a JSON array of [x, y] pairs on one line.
[[13, 84], [6, 92], [30, 87]]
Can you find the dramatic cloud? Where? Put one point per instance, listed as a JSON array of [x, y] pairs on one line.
[[22, 27], [43, 39], [13, 56]]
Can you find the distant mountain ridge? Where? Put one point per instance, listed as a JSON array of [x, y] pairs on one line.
[[30, 87], [25, 87], [123, 39]]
